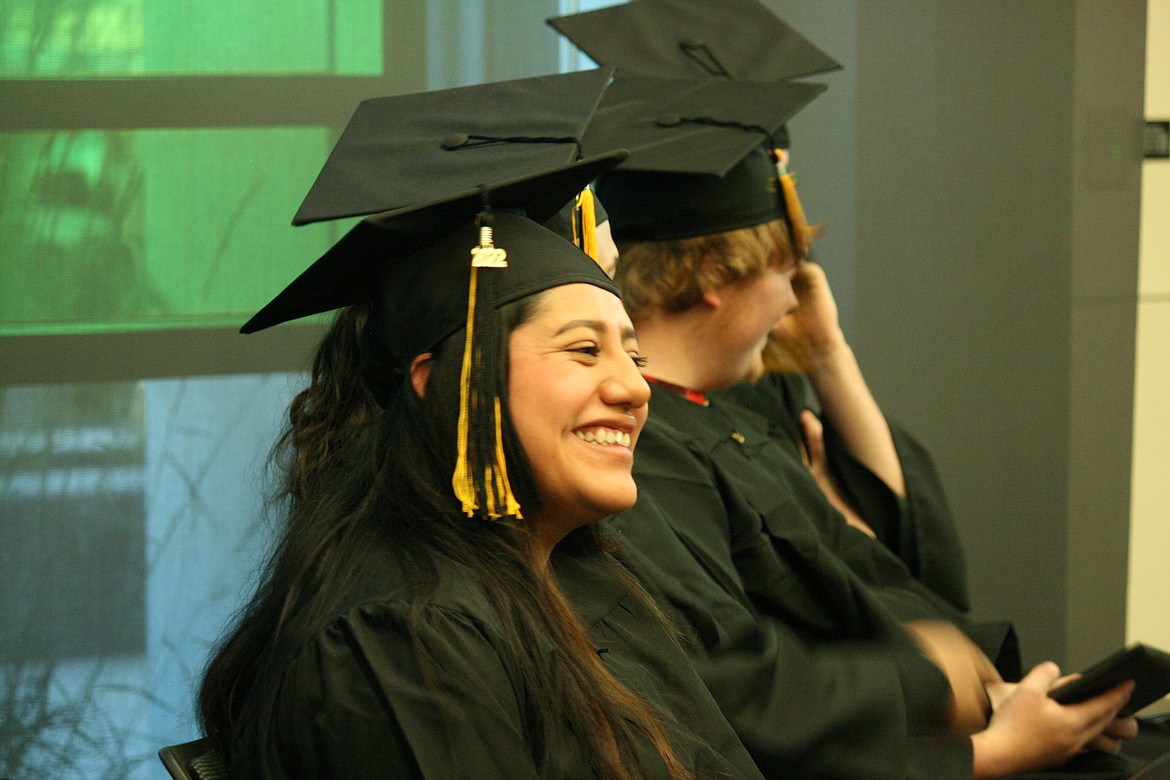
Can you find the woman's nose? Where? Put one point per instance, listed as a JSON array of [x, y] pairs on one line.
[[626, 387]]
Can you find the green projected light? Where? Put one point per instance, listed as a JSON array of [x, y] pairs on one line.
[[108, 231], [114, 230], [126, 38]]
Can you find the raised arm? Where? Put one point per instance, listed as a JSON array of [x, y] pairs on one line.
[[812, 335]]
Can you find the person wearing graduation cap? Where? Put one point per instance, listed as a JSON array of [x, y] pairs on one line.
[[873, 474], [810, 661], [704, 304], [472, 412]]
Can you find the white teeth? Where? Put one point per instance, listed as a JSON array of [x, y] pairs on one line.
[[606, 436]]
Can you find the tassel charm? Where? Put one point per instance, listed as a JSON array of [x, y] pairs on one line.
[[487, 255]]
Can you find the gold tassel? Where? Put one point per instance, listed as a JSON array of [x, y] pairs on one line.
[[497, 490], [503, 487], [588, 208], [461, 481], [797, 222]]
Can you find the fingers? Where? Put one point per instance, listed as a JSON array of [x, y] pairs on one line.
[[1099, 716], [1041, 678], [808, 272], [1114, 733], [1110, 702], [813, 326], [811, 286], [1122, 728]]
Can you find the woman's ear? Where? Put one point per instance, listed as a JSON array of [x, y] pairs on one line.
[[420, 372]]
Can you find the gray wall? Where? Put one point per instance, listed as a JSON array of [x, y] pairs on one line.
[[979, 174]]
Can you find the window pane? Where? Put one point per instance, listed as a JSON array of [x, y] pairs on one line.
[[131, 530], [81, 38], [155, 228], [72, 547]]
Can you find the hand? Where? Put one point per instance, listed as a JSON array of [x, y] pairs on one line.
[[812, 452], [811, 331], [1029, 730], [1109, 741], [969, 672]]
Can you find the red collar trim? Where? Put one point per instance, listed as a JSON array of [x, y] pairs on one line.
[[694, 396]]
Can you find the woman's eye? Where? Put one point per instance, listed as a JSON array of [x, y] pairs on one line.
[[639, 360], [589, 349]]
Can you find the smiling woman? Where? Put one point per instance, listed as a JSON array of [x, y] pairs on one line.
[[472, 414], [397, 632]]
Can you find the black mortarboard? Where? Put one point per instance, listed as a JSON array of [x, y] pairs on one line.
[[410, 150], [702, 156], [738, 39], [350, 271], [692, 125]]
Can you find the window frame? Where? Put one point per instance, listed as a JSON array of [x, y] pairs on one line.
[[195, 102]]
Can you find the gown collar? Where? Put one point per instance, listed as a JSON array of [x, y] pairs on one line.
[[694, 396]]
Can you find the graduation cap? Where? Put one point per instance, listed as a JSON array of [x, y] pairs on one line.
[[692, 125], [384, 245], [737, 39], [466, 242], [702, 158], [410, 150]]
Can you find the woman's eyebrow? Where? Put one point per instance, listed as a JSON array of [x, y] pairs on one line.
[[597, 326], [594, 325]]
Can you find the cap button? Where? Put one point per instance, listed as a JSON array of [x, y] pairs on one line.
[[669, 120], [455, 140]]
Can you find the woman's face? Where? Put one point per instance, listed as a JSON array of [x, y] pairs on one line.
[[578, 403]]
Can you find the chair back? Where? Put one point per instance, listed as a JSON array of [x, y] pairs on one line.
[[195, 760]]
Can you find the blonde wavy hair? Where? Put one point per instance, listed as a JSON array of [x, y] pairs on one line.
[[673, 275]]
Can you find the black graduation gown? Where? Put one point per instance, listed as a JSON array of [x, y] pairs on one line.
[[806, 657], [919, 529], [812, 671], [353, 703], [916, 566], [644, 651]]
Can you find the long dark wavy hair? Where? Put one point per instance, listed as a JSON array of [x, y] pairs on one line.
[[367, 485]]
